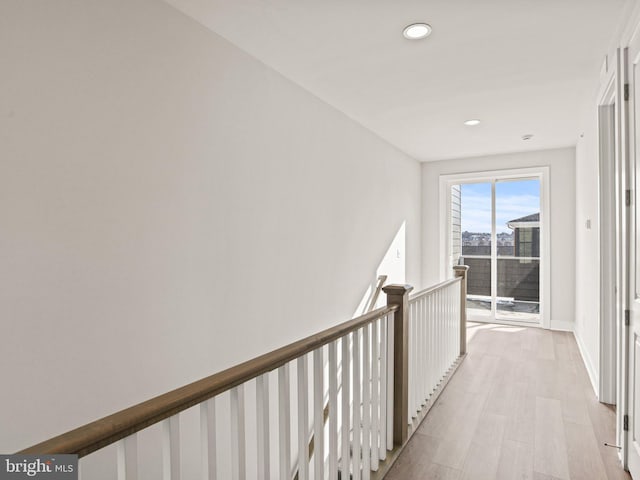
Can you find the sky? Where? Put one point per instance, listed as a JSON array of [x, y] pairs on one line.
[[514, 199]]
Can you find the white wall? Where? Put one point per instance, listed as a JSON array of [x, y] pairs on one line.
[[170, 206], [587, 328], [588, 275], [561, 164]]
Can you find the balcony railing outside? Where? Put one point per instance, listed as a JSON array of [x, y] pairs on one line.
[[518, 285]]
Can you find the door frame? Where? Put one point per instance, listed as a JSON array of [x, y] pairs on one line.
[[620, 247], [627, 202], [610, 313], [446, 181]]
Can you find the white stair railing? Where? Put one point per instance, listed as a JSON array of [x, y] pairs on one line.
[[434, 340], [353, 389]]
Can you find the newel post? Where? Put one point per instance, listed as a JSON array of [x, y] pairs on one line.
[[461, 271], [399, 295]]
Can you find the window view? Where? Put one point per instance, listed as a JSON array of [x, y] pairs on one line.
[[497, 227]]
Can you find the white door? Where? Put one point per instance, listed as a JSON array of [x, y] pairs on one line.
[[629, 121]]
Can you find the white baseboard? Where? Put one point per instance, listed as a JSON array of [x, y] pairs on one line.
[[586, 359], [562, 325]]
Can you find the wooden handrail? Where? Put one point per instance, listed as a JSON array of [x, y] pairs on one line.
[[96, 435], [432, 289]]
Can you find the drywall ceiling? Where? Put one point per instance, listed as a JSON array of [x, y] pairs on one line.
[[521, 66]]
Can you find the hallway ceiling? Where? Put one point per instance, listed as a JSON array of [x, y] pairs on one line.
[[520, 66]]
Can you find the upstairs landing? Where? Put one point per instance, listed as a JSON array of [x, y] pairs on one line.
[[519, 407]]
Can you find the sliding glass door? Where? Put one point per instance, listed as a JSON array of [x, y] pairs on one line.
[[495, 227], [518, 261]]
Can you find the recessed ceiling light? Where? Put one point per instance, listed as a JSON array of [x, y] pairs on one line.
[[416, 31], [472, 123], [528, 136]]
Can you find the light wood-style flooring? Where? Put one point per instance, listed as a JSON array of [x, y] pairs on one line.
[[519, 407]]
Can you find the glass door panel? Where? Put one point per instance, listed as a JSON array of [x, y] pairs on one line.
[[518, 253], [476, 239]]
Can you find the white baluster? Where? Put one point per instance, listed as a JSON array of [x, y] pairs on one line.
[[456, 319], [318, 414], [333, 411], [434, 342], [238, 455], [128, 458], [284, 426], [444, 332], [427, 326], [262, 419], [433, 350], [428, 335], [357, 385], [445, 343], [458, 300], [420, 367], [410, 365], [303, 419], [451, 328], [436, 323], [366, 403], [413, 362], [375, 395], [418, 376], [419, 362], [419, 359], [171, 448], [384, 387], [421, 353], [208, 438], [346, 394], [416, 364], [447, 318], [434, 326], [427, 346], [440, 335], [423, 342]]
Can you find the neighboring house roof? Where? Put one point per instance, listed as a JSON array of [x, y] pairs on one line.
[[530, 221]]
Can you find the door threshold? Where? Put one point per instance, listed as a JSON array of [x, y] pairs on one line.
[[511, 323]]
